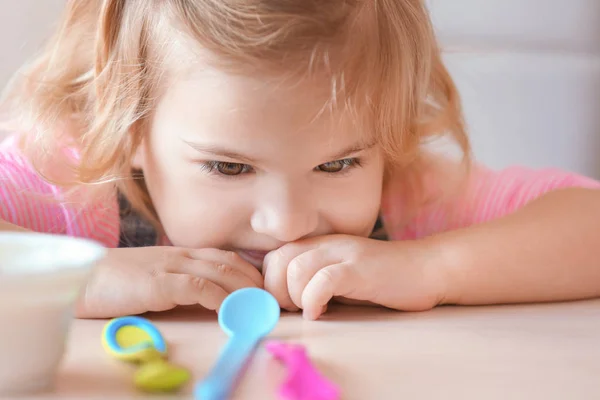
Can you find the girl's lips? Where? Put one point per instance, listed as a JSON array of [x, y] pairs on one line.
[[254, 257]]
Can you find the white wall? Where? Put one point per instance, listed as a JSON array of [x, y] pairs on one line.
[[529, 75], [528, 71], [24, 25]]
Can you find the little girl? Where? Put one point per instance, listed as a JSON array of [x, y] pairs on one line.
[[218, 144]]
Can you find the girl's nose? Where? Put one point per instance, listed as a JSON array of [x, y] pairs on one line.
[[286, 215]]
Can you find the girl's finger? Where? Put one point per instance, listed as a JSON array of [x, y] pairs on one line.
[[302, 268], [276, 283], [228, 258], [185, 290], [334, 280], [224, 275], [275, 271]]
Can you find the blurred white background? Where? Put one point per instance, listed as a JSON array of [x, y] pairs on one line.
[[528, 71]]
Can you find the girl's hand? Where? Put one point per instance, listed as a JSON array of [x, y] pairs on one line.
[[307, 274], [136, 280]]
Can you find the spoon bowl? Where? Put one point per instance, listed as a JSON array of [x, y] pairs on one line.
[[249, 311]]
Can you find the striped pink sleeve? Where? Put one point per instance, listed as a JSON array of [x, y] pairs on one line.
[[29, 201], [490, 195]]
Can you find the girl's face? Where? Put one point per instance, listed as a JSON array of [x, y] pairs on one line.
[[239, 164]]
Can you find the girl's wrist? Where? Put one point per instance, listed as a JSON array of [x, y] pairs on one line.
[[445, 266]]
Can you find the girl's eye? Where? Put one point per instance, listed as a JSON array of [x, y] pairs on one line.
[[226, 168], [333, 167]]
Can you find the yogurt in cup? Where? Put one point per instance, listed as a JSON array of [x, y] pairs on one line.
[[41, 276]]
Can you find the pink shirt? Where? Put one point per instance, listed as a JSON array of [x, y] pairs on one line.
[[30, 202], [490, 195]]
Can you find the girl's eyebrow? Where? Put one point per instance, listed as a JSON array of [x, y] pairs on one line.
[[219, 151], [354, 148]]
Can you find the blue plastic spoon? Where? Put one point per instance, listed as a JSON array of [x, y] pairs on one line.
[[247, 316]]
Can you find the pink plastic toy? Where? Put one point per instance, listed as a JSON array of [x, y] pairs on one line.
[[303, 381]]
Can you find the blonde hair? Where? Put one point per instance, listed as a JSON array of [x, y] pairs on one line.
[[95, 84]]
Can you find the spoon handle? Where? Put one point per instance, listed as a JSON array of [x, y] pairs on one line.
[[219, 383]]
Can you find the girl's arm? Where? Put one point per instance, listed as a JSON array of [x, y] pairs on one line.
[[546, 251], [28, 203], [8, 227], [517, 235]]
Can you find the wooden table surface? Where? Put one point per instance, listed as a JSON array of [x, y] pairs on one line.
[[544, 351]]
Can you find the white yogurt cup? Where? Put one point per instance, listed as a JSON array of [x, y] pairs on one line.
[[40, 278]]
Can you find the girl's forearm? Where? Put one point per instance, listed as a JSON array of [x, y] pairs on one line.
[[7, 226], [547, 251]]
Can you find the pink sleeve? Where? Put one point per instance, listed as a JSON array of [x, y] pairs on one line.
[[491, 195], [28, 201]]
